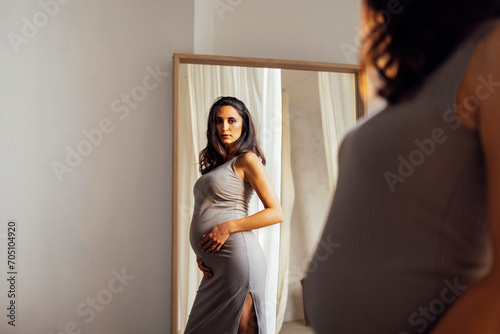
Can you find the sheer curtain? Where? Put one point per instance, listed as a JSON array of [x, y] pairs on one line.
[[260, 90], [287, 199], [309, 170], [337, 93]]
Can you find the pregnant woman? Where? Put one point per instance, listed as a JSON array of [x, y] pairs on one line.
[[231, 295], [416, 209]]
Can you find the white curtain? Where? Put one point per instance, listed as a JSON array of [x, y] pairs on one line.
[[260, 90], [287, 200], [309, 168], [337, 93]]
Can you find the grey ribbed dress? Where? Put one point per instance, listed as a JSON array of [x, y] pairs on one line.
[[408, 218], [239, 267]]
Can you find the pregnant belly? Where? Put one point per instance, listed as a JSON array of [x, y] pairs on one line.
[[240, 252], [201, 224], [239, 257]]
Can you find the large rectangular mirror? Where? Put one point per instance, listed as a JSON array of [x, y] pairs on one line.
[[301, 110]]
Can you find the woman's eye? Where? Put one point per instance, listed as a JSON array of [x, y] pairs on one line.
[[218, 121], [232, 121]]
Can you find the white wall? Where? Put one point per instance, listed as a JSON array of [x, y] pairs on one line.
[[313, 30], [111, 213]]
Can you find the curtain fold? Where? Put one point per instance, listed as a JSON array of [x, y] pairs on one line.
[[187, 164], [309, 182], [337, 92], [260, 90], [287, 199]]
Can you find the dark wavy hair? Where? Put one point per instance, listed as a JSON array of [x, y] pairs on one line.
[[215, 154], [405, 40]]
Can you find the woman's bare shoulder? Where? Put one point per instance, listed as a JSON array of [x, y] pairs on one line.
[[486, 54], [482, 74], [248, 165], [490, 47], [248, 159]]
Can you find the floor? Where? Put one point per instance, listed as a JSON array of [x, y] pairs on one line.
[[295, 327]]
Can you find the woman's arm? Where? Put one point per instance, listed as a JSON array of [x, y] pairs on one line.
[[255, 173], [478, 309]]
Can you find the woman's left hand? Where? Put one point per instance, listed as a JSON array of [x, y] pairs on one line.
[[214, 239]]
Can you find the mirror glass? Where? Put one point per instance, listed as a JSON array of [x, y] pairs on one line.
[[301, 111]]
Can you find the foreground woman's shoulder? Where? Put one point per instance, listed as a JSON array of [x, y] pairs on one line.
[[489, 50], [482, 76]]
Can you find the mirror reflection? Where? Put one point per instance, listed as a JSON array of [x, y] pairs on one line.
[[301, 111]]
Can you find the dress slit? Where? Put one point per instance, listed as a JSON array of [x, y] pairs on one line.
[[252, 316]]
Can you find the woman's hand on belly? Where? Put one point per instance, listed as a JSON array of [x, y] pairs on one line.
[[214, 239], [207, 273]]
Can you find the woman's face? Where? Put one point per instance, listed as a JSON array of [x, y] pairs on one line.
[[229, 124]]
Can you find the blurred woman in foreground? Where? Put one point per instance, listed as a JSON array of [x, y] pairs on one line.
[[416, 209]]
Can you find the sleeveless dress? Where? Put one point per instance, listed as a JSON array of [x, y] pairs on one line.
[[407, 230], [238, 268]]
